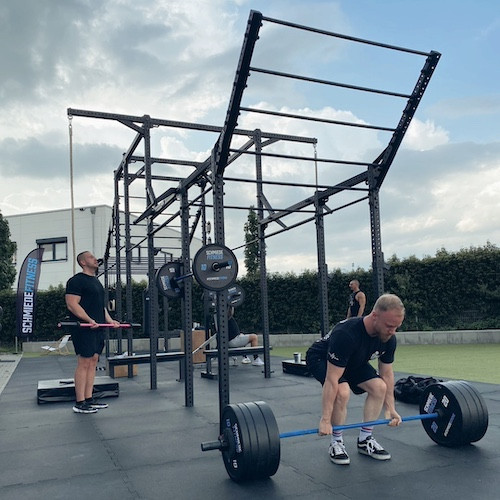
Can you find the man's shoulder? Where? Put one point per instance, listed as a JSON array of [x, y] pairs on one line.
[[79, 280]]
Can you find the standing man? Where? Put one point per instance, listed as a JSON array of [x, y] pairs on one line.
[[357, 301], [341, 362], [85, 302]]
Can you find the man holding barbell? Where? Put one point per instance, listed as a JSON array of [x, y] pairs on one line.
[[341, 362], [85, 303]]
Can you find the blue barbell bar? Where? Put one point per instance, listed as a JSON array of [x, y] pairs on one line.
[[303, 432]]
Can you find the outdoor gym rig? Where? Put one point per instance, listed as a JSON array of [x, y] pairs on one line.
[[452, 414]]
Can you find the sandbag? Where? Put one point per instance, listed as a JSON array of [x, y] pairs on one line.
[[410, 389]]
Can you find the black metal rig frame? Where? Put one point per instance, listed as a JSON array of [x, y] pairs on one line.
[[209, 176]]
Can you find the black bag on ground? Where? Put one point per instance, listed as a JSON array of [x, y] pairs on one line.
[[410, 389]]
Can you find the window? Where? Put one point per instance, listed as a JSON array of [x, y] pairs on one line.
[[54, 248]]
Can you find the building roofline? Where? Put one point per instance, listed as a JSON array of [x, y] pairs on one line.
[[57, 210]]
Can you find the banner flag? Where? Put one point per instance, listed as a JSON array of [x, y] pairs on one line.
[[27, 285]]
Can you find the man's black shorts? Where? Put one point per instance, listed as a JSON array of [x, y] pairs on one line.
[[87, 341], [317, 368]]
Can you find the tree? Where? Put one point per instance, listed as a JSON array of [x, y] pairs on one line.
[[7, 250], [251, 229]]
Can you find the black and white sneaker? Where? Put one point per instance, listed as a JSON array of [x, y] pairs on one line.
[[372, 449], [84, 407], [337, 453], [97, 404]]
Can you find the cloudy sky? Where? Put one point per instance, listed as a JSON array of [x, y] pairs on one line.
[[176, 60]]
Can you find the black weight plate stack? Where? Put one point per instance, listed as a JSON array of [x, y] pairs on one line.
[[252, 435], [477, 426], [463, 417]]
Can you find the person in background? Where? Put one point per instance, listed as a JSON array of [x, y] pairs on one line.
[[238, 339], [357, 301]]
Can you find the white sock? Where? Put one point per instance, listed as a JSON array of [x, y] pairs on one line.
[[365, 432], [337, 436]]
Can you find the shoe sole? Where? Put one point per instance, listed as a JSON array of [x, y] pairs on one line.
[[99, 407], [373, 455], [340, 461], [95, 410]]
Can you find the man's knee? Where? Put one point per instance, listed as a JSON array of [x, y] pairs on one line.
[[343, 394], [375, 387]]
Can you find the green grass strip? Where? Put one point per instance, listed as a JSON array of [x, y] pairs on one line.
[[473, 362]]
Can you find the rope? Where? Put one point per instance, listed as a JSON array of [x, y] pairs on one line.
[[70, 129]]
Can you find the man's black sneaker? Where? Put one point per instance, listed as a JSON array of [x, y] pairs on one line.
[[337, 453], [371, 448], [84, 407], [96, 404]]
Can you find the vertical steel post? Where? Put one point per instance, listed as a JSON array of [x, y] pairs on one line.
[[376, 234], [264, 296], [118, 289], [187, 302], [128, 263], [322, 267], [152, 291], [222, 324]]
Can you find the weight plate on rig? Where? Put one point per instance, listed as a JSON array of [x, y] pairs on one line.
[[252, 440], [235, 296], [215, 267], [463, 417], [166, 280]]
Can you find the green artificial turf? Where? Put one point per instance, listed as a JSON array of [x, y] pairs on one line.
[[473, 362]]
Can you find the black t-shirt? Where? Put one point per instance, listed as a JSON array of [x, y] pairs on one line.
[[349, 346], [91, 291], [354, 304], [234, 329]]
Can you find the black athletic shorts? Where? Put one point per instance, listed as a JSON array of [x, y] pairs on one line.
[[87, 341], [317, 368]]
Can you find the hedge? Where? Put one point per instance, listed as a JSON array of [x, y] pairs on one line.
[[449, 291]]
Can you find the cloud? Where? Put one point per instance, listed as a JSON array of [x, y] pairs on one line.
[[36, 158], [424, 135]]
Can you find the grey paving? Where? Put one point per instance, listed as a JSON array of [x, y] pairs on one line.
[[146, 445]]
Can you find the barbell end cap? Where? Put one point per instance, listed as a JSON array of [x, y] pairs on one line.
[[213, 445]]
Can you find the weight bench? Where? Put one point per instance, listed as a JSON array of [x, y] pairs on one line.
[[140, 359], [233, 351]]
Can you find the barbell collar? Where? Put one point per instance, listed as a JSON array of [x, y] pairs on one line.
[[214, 445]]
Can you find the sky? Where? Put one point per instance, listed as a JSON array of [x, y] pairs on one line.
[[176, 60]]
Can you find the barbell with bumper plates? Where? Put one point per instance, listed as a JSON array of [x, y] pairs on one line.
[[453, 414], [215, 268]]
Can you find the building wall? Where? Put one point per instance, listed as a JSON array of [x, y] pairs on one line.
[[91, 233]]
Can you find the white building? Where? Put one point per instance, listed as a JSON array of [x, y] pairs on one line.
[[52, 230]]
